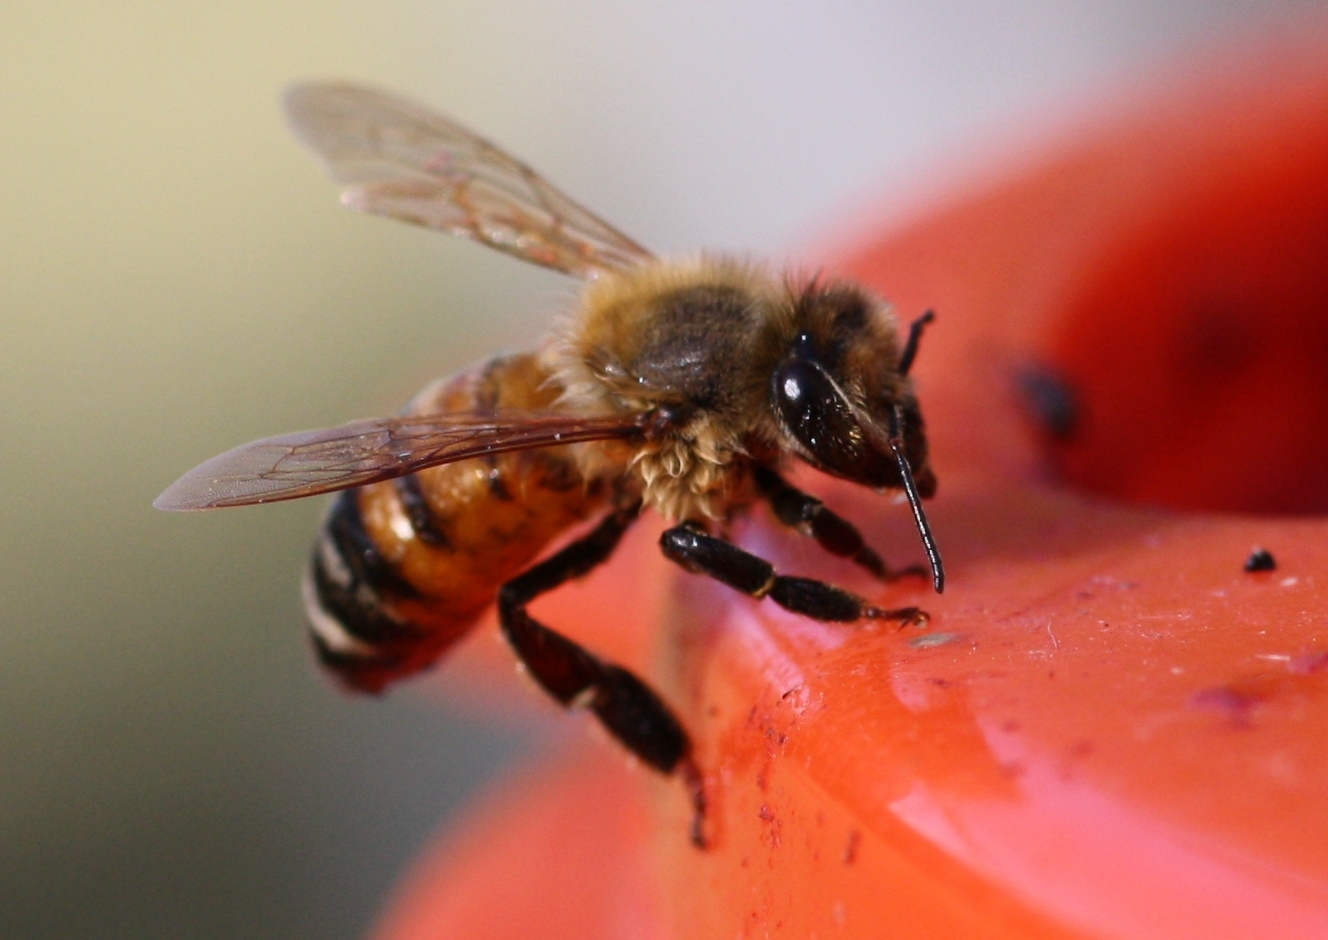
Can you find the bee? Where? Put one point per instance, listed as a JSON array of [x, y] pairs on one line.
[[681, 386]]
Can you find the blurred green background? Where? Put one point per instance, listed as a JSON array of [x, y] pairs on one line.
[[176, 277]]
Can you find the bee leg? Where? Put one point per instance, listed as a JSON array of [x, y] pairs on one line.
[[625, 705], [692, 548], [832, 532]]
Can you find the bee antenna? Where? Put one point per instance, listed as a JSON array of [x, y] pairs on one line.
[[911, 488], [914, 336]]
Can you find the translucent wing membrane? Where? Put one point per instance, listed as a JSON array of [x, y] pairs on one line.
[[306, 463], [404, 161]]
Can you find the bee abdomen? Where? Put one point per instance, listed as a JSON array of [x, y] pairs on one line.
[[405, 567], [349, 590]]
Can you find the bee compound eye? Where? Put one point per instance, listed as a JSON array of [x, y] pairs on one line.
[[805, 396], [815, 413]]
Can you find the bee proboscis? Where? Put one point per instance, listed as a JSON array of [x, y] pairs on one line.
[[682, 386]]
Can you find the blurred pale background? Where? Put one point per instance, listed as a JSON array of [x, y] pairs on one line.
[[176, 277]]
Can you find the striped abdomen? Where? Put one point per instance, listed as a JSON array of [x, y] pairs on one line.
[[403, 568]]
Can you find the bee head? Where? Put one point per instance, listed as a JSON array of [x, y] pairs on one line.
[[841, 393], [860, 442], [843, 401]]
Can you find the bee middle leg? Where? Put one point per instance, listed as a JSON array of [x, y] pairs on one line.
[[832, 532], [573, 675], [690, 546]]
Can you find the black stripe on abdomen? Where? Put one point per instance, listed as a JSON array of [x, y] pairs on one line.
[[346, 591], [357, 607], [366, 567], [422, 518]]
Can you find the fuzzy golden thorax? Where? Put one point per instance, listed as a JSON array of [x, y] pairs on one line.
[[703, 338]]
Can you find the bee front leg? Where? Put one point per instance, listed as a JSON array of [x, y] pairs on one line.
[[625, 705], [691, 547], [832, 532]]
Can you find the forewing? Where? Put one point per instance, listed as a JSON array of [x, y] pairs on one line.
[[404, 161], [307, 463]]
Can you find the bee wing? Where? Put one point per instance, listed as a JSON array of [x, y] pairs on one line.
[[404, 161], [306, 463]]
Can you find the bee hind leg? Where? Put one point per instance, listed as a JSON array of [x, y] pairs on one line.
[[690, 546], [832, 532], [625, 705]]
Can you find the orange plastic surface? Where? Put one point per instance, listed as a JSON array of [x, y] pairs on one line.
[[559, 853], [1109, 728]]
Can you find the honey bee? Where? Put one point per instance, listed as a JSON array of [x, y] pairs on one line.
[[681, 386]]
